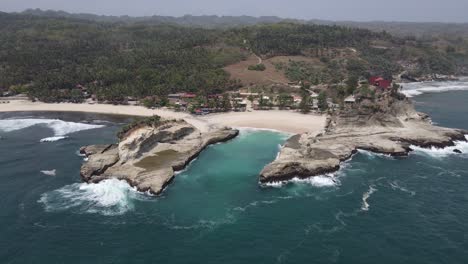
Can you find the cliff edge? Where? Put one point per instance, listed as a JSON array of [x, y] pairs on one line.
[[387, 125], [148, 155]]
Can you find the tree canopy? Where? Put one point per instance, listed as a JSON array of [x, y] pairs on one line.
[[49, 56]]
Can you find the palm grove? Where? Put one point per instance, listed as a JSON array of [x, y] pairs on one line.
[[48, 57]]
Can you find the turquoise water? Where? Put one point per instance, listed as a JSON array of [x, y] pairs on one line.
[[376, 209]]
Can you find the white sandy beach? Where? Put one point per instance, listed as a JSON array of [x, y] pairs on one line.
[[286, 121]]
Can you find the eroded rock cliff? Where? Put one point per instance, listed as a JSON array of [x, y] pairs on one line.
[[389, 125], [147, 157]]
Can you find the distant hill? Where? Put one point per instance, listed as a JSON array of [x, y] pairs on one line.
[[187, 20], [418, 29], [54, 56]]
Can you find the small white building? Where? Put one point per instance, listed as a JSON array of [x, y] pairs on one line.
[[314, 104], [350, 100], [245, 95], [313, 94], [242, 103]]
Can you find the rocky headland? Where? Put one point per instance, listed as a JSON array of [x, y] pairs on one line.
[[149, 154], [388, 124], [405, 77]]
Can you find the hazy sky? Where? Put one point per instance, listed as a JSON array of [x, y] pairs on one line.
[[358, 10]]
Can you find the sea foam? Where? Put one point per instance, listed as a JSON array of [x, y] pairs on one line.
[[49, 172], [443, 152], [248, 130], [414, 89], [53, 139], [109, 197], [372, 155], [61, 128], [365, 205], [328, 180]]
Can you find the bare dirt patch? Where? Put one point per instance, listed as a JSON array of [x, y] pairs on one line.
[[270, 76]]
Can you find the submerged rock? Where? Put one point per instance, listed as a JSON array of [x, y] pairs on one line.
[[148, 157], [457, 151], [389, 127]]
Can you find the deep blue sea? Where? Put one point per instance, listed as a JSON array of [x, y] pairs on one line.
[[376, 209]]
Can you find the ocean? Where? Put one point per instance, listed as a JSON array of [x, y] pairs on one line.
[[375, 209]]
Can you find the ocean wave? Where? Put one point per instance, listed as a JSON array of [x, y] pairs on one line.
[[78, 153], [443, 152], [320, 181], [109, 197], [372, 155], [49, 172], [365, 205], [414, 89], [396, 186], [61, 128], [249, 130], [328, 180], [52, 139]]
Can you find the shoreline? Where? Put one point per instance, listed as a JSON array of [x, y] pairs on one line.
[[331, 170], [277, 120], [176, 143], [390, 131]]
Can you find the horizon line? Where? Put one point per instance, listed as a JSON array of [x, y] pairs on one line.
[[235, 16]]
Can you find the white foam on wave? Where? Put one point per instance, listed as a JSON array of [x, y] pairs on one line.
[[255, 129], [277, 184], [443, 152], [249, 130], [61, 128], [372, 155], [278, 155], [328, 180], [78, 153], [414, 89], [365, 205], [49, 172], [52, 139], [319, 181], [109, 197]]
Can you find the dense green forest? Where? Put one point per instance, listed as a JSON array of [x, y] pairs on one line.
[[48, 57], [419, 29], [52, 54]]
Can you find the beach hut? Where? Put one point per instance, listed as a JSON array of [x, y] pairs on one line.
[[350, 100]]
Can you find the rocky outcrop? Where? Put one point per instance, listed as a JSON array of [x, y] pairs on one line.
[[390, 127], [405, 77], [148, 157]]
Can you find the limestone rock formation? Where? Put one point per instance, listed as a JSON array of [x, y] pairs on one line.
[[388, 126], [148, 156]]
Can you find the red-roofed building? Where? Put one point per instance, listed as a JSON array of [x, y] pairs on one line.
[[380, 82]]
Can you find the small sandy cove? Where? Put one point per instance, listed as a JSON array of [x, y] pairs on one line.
[[286, 121]]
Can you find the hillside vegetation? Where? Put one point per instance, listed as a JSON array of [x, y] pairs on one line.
[[48, 57]]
